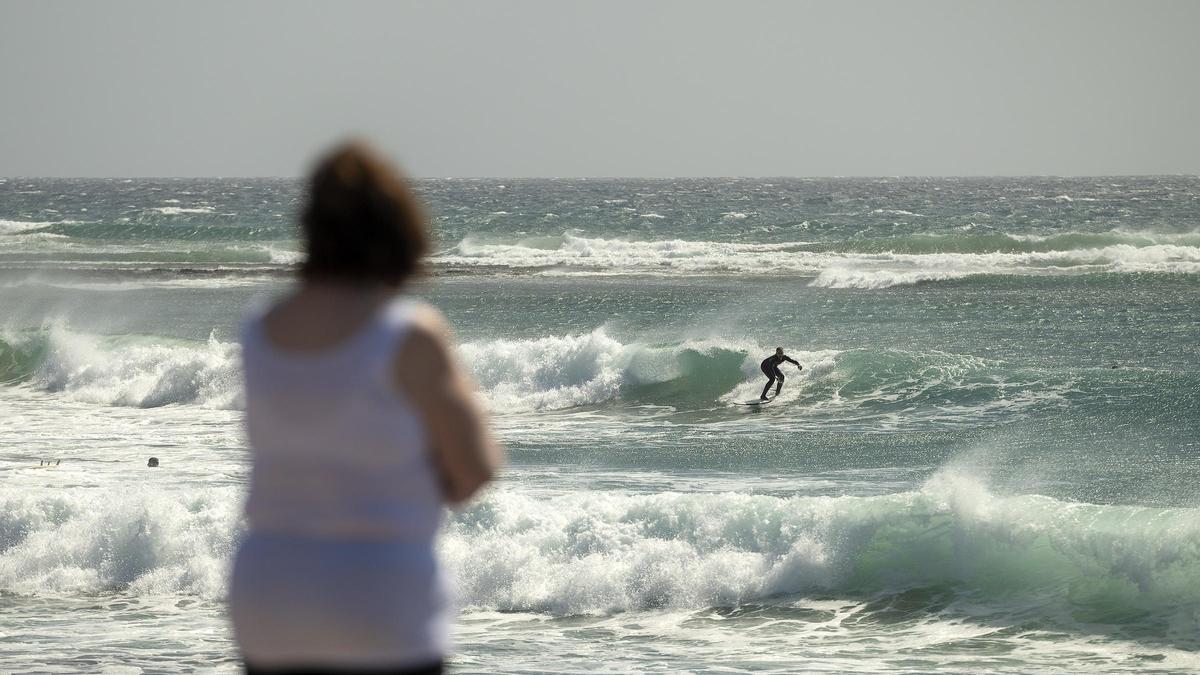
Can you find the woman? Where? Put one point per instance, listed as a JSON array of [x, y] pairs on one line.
[[362, 428]]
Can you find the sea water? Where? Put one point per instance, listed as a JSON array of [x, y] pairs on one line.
[[989, 461]]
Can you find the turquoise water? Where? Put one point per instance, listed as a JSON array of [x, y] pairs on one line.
[[989, 461]]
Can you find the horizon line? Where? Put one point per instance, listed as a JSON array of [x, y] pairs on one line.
[[615, 177]]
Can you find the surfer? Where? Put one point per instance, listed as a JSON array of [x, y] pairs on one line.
[[770, 368]]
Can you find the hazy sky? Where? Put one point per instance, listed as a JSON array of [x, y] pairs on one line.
[[644, 88]]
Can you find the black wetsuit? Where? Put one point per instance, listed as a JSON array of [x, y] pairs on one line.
[[770, 368]]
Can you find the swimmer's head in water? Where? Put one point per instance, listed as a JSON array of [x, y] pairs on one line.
[[362, 224], [152, 462]]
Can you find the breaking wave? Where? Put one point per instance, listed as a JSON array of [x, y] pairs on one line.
[[560, 373], [596, 553], [138, 371], [18, 233], [578, 370], [141, 541], [605, 552], [848, 387]]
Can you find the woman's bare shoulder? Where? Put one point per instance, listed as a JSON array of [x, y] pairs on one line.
[[428, 320], [425, 352]]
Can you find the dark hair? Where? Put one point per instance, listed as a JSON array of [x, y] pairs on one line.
[[362, 223]]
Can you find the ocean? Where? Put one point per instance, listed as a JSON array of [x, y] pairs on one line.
[[988, 463]]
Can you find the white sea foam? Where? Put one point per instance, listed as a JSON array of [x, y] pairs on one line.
[[139, 371], [29, 226], [143, 541], [34, 240], [120, 285], [559, 372], [18, 226], [279, 256], [179, 210], [594, 552], [1117, 236], [850, 275], [600, 552], [894, 269], [572, 254], [515, 375], [554, 372], [613, 254], [859, 389], [849, 388]]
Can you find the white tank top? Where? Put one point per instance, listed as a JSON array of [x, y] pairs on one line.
[[338, 451]]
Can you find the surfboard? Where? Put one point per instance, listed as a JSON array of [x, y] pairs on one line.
[[755, 402]]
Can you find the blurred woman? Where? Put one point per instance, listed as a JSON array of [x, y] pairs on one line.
[[362, 427]]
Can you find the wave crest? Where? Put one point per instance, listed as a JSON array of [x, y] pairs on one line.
[[138, 371], [599, 553], [139, 541], [887, 270], [577, 370], [852, 387]]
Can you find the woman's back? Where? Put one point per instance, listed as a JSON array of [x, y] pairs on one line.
[[362, 427], [338, 450]]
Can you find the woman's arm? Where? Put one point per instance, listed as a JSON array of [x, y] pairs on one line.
[[464, 451]]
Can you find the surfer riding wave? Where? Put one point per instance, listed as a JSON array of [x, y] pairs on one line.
[[770, 368]]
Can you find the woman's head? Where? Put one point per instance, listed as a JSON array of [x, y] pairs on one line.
[[361, 224]]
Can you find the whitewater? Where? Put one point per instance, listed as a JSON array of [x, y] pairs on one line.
[[988, 463]]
